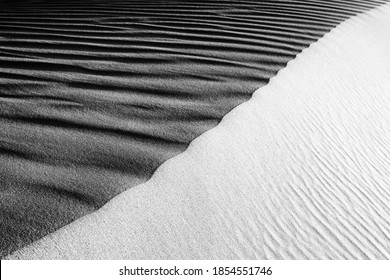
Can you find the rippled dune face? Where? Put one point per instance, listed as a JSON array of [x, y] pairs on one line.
[[299, 171], [95, 96]]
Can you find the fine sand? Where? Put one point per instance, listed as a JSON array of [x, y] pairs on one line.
[[301, 170], [96, 95]]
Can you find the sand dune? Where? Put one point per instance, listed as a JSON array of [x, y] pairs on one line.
[[96, 95], [301, 170]]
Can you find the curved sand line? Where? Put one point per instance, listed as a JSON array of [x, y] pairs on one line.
[[301, 170], [95, 95]]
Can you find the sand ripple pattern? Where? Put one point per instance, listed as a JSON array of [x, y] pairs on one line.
[[95, 95]]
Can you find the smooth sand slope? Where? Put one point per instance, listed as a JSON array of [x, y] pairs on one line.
[[301, 170], [95, 95]]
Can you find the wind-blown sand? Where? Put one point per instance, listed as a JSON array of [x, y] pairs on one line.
[[95, 95], [301, 170]]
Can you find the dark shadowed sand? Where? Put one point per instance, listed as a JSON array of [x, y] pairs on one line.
[[95, 95]]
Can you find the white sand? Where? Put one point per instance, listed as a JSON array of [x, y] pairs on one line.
[[302, 170]]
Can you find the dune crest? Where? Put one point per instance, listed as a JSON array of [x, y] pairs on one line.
[[300, 171], [96, 94]]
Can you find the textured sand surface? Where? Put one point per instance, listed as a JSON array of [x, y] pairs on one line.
[[95, 95], [301, 170]]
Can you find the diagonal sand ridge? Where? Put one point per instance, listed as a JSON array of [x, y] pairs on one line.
[[96, 94], [301, 170]]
